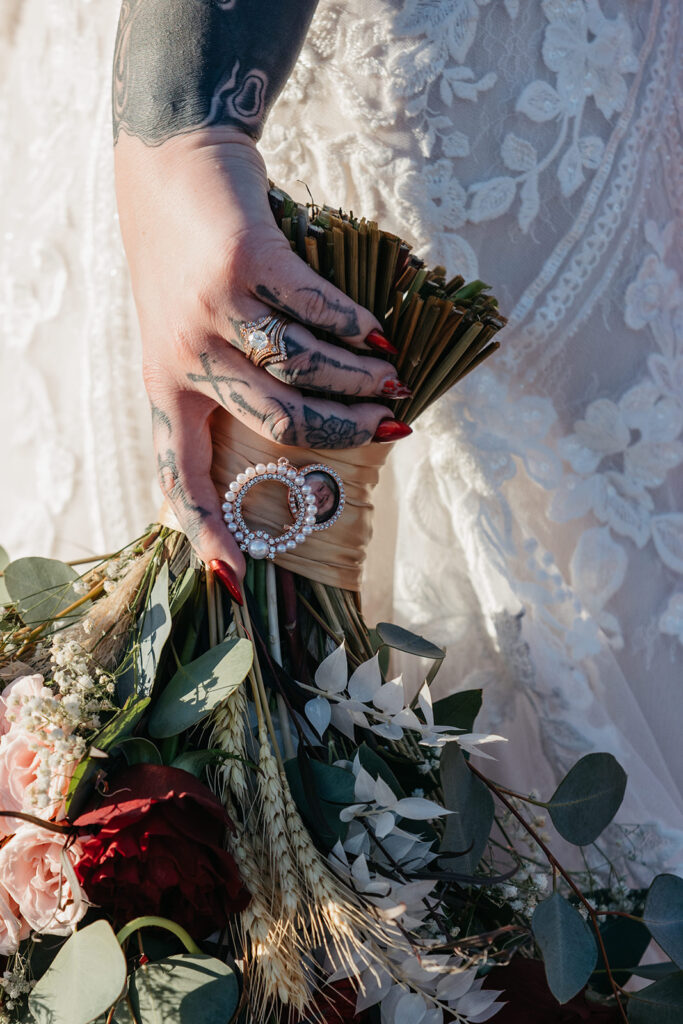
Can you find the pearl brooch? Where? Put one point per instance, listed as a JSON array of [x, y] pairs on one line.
[[315, 504]]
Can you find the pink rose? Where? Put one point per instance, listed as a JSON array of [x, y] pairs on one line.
[[32, 872], [13, 929], [21, 756], [23, 686]]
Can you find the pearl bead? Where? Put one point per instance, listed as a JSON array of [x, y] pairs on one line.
[[310, 520], [281, 548], [241, 478], [282, 469], [225, 506], [239, 535], [230, 496], [307, 530], [250, 472], [300, 480], [232, 527], [234, 486], [306, 489], [260, 469], [272, 467], [291, 544], [291, 474], [258, 547], [299, 538]]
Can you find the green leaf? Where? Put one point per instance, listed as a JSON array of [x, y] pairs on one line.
[[458, 710], [471, 826], [195, 761], [154, 632], [587, 799], [183, 590], [138, 750], [85, 978], [187, 989], [567, 945], [4, 592], [120, 726], [199, 687], [321, 797], [663, 915], [41, 588], [625, 941], [403, 640], [653, 972], [661, 1003]]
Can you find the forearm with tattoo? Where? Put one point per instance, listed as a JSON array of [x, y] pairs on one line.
[[182, 65]]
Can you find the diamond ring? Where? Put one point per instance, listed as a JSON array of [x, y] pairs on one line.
[[264, 339]]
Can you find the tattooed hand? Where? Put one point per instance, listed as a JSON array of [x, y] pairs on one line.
[[205, 254]]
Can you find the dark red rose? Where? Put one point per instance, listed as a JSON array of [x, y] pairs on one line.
[[530, 1001], [155, 846]]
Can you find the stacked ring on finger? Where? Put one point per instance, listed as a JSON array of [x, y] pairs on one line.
[[259, 543], [264, 339]]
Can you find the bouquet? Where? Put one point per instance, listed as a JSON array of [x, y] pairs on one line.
[[219, 810]]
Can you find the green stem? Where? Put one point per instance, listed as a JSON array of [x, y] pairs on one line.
[[158, 922]]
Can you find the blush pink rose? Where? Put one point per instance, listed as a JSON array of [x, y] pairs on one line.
[[13, 929], [32, 872], [22, 686], [19, 766]]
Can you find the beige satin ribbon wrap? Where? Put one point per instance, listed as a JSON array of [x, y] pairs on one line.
[[333, 556]]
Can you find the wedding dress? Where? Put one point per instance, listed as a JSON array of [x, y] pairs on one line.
[[536, 515]]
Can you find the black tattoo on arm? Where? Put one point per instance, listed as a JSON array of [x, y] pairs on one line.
[[181, 65], [190, 514]]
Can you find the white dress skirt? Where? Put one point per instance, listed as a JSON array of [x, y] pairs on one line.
[[534, 522]]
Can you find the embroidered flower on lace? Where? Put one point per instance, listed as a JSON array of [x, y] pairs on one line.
[[671, 620]]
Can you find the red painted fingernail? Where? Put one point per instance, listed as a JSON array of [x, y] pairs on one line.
[[227, 577], [391, 430], [376, 340], [391, 387]]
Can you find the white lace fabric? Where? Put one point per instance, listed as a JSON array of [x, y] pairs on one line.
[[536, 145]]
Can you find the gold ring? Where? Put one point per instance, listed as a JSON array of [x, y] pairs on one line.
[[264, 339]]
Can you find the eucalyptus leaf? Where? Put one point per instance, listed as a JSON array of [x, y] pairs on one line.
[[41, 588], [85, 978], [155, 629], [199, 687], [470, 827], [625, 941], [661, 1003], [183, 590], [184, 989], [138, 750], [378, 768], [4, 592], [411, 643], [458, 710], [663, 915], [566, 942], [653, 972], [587, 799], [195, 761]]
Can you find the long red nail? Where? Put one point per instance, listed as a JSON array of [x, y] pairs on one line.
[[376, 340], [391, 430], [393, 388], [228, 579]]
